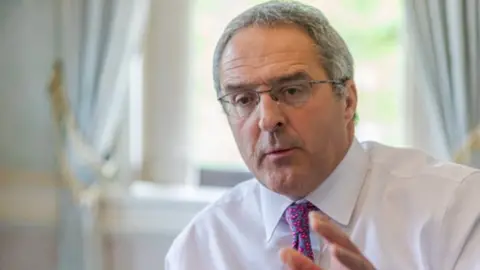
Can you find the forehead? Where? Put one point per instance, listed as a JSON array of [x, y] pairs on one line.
[[257, 54]]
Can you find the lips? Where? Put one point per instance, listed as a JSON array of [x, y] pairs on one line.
[[277, 155], [278, 151]]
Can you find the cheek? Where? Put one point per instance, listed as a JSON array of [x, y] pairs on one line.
[[245, 134], [316, 127], [312, 132]]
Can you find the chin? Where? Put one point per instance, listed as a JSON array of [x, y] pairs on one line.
[[289, 184]]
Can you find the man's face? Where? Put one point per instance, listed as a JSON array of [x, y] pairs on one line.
[[290, 149]]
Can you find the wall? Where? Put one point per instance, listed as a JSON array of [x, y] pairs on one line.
[[27, 241], [26, 55], [27, 222], [166, 114], [139, 228], [135, 234]]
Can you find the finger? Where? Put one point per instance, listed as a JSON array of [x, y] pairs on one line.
[[351, 260], [322, 226], [296, 260]]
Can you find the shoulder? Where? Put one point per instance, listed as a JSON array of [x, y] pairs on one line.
[[410, 180], [409, 163], [441, 196], [228, 204], [212, 221]]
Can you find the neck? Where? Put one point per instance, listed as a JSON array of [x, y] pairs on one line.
[[322, 176]]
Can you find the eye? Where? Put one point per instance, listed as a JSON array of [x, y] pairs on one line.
[[243, 99], [293, 90]]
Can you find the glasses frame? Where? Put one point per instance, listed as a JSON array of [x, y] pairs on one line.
[[338, 82]]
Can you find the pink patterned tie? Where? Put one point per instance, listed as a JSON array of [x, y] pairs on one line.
[[296, 216]]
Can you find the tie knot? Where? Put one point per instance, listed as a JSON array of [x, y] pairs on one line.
[[296, 216]]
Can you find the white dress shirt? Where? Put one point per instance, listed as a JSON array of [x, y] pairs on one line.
[[402, 208]]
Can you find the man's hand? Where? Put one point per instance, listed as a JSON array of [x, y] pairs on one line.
[[342, 249]]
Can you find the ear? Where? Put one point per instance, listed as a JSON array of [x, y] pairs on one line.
[[350, 101]]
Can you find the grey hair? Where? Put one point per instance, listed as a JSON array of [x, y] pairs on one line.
[[335, 57]]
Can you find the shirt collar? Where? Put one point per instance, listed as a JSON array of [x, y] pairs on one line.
[[336, 196]]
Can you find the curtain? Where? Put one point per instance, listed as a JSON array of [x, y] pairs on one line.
[[96, 41], [444, 75]]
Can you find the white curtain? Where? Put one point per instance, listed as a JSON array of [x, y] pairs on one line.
[[444, 75], [96, 41]]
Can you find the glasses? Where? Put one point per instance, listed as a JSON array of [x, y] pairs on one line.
[[241, 104]]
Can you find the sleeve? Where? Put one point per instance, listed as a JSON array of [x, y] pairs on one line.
[[177, 257], [460, 228], [185, 252], [172, 260]]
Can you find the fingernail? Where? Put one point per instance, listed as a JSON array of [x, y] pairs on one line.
[[312, 218], [315, 217], [337, 251]]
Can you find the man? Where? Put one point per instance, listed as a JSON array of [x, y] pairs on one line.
[[285, 80]]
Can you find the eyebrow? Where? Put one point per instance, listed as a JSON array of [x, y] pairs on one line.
[[281, 79]]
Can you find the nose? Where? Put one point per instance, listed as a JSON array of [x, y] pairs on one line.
[[271, 117]]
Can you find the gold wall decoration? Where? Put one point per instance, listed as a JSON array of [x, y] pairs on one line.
[[70, 135], [472, 144]]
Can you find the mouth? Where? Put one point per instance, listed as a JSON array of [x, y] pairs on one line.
[[278, 153]]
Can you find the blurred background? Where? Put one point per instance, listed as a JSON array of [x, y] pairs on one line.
[[111, 138]]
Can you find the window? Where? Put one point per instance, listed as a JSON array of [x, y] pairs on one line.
[[371, 29]]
